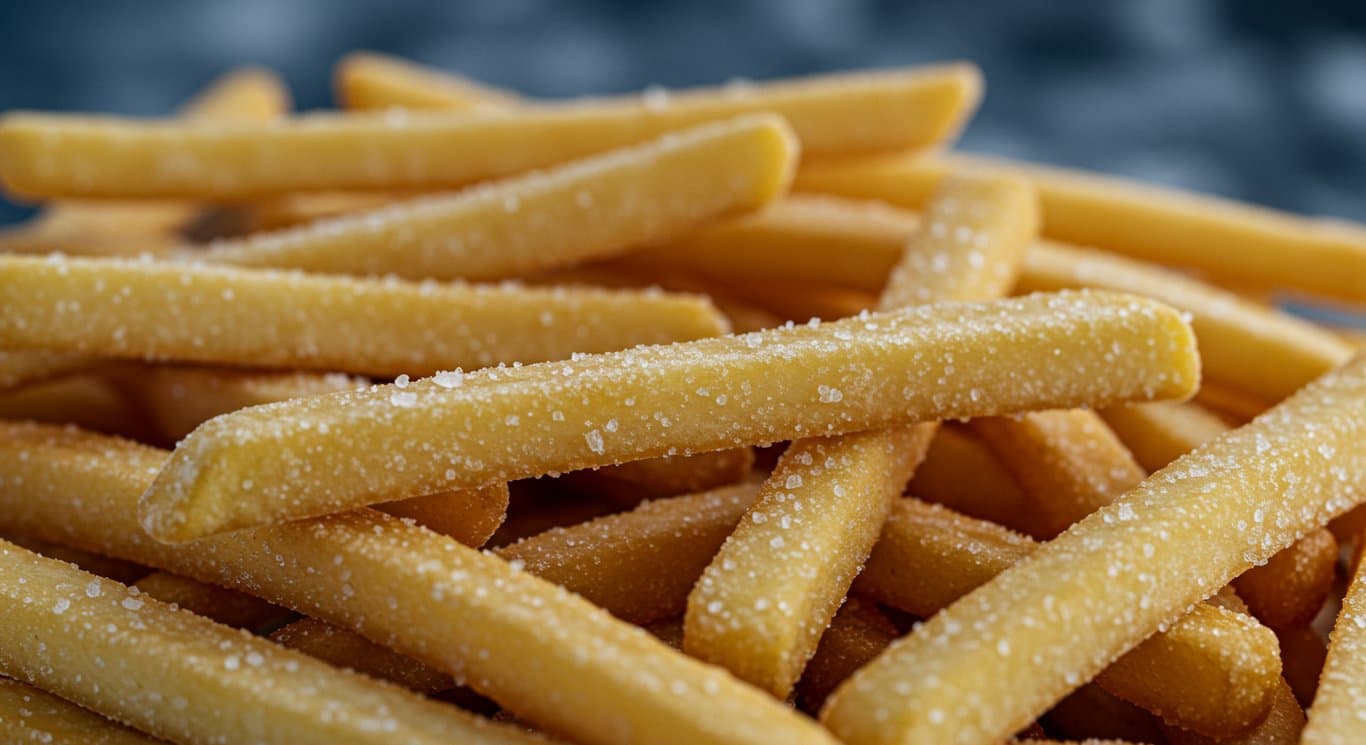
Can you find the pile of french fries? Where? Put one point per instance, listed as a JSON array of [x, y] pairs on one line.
[[749, 414]]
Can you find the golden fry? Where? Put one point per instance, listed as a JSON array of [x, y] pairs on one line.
[[628, 484], [1238, 407], [1159, 432], [1303, 653], [543, 220], [1020, 642], [857, 634], [19, 368], [86, 400], [1090, 712], [339, 450], [1155, 224], [1237, 338], [406, 587], [48, 155], [342, 648], [228, 607], [470, 516], [960, 473], [364, 80], [176, 675], [123, 572], [118, 308], [30, 715], [1336, 718]]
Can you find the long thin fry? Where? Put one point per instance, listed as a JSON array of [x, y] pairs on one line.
[[87, 401], [629, 484], [124, 572], [31, 715], [1159, 432], [537, 221], [1220, 237], [365, 80], [1091, 712], [1336, 717], [470, 516], [116, 308], [509, 635], [960, 473], [342, 648], [74, 156], [1212, 670], [996, 658], [180, 676], [228, 607], [762, 604], [18, 368], [317, 455]]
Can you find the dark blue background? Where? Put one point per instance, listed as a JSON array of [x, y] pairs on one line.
[[1254, 99]]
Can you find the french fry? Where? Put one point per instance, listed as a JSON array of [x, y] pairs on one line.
[[297, 208], [996, 658], [1212, 670], [19, 368], [1068, 464], [629, 484], [1237, 406], [1090, 712], [639, 565], [470, 516], [30, 715], [342, 648], [338, 451], [1236, 337], [857, 634], [1336, 714], [1159, 432], [219, 604], [1161, 225], [800, 302], [365, 80], [113, 307], [406, 587], [73, 156], [86, 400], [762, 604], [960, 473], [123, 572], [176, 675], [537, 221], [1302, 656]]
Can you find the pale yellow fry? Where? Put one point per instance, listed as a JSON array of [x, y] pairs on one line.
[[1211, 670], [1221, 237], [761, 606], [1337, 716], [326, 453], [342, 648], [649, 193], [999, 656], [219, 604], [139, 309], [1159, 432], [30, 715], [539, 650], [73, 156], [179, 676], [365, 80], [1251, 349]]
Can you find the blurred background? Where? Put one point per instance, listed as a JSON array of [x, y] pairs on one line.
[[1255, 99]]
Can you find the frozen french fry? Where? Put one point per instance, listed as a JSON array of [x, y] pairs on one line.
[[1161, 225], [48, 155], [407, 588], [364, 80], [996, 658], [584, 210], [228, 607], [117, 308], [176, 675], [31, 715], [327, 453]]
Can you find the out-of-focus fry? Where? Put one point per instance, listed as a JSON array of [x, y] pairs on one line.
[[1336, 716], [640, 564], [857, 634], [86, 400], [228, 607], [407, 587], [48, 155], [1236, 338], [1159, 432], [470, 516], [1068, 464], [1303, 653], [1238, 407], [116, 308], [1150, 223], [960, 473], [629, 484], [177, 675], [1212, 670], [338, 451], [365, 80], [1091, 712], [538, 221], [31, 715], [123, 572], [18, 368], [762, 604], [1289, 589], [1024, 639], [802, 301], [342, 648]]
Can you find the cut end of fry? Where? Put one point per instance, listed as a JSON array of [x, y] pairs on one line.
[[248, 93], [366, 80]]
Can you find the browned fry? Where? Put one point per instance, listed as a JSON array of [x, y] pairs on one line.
[[228, 607], [1302, 654], [124, 572], [960, 473], [631, 483], [856, 635], [85, 400], [1288, 591], [1091, 711], [31, 715], [337, 646]]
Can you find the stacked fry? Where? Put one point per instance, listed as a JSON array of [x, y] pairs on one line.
[[747, 414]]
